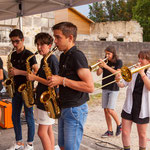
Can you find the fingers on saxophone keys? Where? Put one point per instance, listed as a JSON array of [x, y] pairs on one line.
[[49, 80]]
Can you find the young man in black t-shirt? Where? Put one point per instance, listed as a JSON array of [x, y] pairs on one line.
[[18, 60], [75, 82]]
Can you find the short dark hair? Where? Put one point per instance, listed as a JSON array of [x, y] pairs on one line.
[[144, 54], [113, 51], [67, 29], [16, 32], [44, 38]]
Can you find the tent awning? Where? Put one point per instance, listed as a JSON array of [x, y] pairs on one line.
[[16, 8]]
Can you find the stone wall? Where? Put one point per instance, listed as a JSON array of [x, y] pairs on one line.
[[90, 44], [31, 25], [128, 31], [94, 50], [127, 51]]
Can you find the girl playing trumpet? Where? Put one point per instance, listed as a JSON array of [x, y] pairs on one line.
[[137, 104], [110, 92]]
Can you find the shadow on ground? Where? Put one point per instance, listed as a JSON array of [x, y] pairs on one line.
[[88, 143]]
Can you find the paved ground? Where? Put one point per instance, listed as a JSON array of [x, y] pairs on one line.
[[88, 143], [94, 127]]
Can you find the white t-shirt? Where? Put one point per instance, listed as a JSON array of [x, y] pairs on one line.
[[145, 106]]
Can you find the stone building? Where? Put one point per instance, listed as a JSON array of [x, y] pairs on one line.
[[126, 31], [87, 29]]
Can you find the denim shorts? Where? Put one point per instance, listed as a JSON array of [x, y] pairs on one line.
[[70, 126], [109, 99]]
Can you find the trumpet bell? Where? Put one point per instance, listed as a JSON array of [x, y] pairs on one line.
[[126, 73]]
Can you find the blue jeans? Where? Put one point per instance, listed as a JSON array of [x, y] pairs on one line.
[[17, 103], [70, 126]]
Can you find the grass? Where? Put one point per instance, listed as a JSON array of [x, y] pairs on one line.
[[97, 85], [95, 98]]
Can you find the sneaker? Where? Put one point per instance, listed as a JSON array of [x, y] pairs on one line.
[[107, 134], [119, 129], [28, 147], [16, 147], [56, 147]]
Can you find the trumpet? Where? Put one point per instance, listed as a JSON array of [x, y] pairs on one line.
[[130, 67], [126, 73], [93, 67]]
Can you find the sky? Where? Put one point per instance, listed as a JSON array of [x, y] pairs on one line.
[[84, 9]]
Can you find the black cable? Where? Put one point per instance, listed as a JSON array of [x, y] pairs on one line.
[[103, 142]]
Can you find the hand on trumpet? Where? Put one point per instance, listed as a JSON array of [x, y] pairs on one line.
[[141, 71], [102, 63], [138, 65], [118, 76]]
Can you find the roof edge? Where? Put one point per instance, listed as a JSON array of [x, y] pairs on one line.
[[89, 20]]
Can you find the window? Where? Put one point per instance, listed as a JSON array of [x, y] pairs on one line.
[[102, 39], [4, 34], [120, 39]]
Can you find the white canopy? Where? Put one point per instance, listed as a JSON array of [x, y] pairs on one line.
[[17, 8]]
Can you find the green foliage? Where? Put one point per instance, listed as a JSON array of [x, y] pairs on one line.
[[123, 10], [97, 85], [111, 10], [97, 14], [95, 99], [141, 13]]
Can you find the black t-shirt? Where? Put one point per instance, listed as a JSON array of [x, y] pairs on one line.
[[19, 61], [54, 67], [70, 62], [113, 86], [1, 67]]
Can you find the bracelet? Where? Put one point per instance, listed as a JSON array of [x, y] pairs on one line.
[[64, 82], [143, 76]]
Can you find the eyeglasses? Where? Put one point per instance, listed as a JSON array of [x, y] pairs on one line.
[[15, 41]]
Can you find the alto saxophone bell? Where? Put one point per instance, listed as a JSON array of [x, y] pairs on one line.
[[9, 82], [26, 89], [49, 98]]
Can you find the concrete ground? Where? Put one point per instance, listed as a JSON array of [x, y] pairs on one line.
[[88, 143]]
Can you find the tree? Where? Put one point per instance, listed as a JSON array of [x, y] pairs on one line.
[[141, 13], [130, 5], [97, 14], [123, 10], [112, 10]]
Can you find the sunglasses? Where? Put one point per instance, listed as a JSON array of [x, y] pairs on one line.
[[15, 41]]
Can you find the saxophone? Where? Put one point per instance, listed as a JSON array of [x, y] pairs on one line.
[[26, 89], [49, 98], [9, 82]]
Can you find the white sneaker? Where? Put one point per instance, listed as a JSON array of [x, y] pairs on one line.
[[16, 147], [56, 147], [28, 147]]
